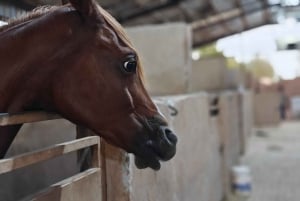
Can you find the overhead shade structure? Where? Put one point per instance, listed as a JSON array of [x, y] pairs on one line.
[[210, 19]]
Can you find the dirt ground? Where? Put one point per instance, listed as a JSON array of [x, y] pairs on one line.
[[274, 158]]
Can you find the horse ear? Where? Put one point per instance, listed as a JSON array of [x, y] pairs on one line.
[[88, 9]]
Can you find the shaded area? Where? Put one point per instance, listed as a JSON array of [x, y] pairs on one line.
[[210, 20]]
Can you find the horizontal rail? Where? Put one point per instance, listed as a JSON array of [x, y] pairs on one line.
[[10, 164], [83, 186], [28, 117]]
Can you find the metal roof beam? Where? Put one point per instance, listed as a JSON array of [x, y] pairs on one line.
[[225, 16], [208, 38], [147, 10]]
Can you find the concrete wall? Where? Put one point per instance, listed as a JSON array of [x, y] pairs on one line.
[[266, 109], [229, 131], [208, 148], [195, 172], [246, 122], [211, 74], [208, 74], [165, 51], [234, 78]]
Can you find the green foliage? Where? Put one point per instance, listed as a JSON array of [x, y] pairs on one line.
[[261, 68], [209, 51], [232, 63]]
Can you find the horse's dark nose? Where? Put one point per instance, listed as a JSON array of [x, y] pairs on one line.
[[169, 135], [160, 146], [165, 143]]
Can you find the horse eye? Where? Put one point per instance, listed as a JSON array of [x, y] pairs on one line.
[[130, 66]]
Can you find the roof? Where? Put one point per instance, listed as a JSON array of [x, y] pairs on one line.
[[210, 19]]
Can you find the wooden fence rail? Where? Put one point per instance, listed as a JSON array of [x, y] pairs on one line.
[[86, 185], [10, 164], [28, 117]]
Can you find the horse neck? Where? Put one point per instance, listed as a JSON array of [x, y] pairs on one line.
[[30, 53]]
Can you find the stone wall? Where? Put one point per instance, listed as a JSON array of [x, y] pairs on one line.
[[165, 51]]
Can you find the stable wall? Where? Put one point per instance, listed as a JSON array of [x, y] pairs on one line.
[[246, 117], [230, 136], [193, 174], [266, 109], [208, 74], [207, 148], [212, 74], [165, 51], [236, 78]]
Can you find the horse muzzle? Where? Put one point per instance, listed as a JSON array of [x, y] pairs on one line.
[[160, 146]]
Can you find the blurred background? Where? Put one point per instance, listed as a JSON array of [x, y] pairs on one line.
[[244, 55]]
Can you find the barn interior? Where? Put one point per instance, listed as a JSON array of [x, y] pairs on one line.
[[226, 101]]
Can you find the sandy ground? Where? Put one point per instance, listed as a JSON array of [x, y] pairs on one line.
[[274, 158]]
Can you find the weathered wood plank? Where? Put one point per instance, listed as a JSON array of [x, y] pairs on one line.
[[83, 186], [115, 173], [28, 117], [30, 158]]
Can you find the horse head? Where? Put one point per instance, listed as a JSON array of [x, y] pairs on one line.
[[100, 86]]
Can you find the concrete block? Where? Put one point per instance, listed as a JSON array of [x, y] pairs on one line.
[[194, 173], [266, 109], [216, 189], [229, 131], [125, 182], [197, 164], [246, 118], [150, 185], [208, 74], [158, 186], [234, 78], [193, 160], [165, 51]]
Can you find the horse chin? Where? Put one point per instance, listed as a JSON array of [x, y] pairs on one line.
[[142, 163]]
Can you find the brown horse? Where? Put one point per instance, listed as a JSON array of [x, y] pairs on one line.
[[76, 60]]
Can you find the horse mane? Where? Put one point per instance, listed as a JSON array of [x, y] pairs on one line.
[[43, 10], [35, 13]]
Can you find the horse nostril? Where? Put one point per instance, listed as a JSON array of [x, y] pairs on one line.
[[170, 136]]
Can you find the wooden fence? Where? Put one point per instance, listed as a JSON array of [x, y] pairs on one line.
[[86, 185]]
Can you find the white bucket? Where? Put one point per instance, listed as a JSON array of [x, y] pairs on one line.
[[241, 181]]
